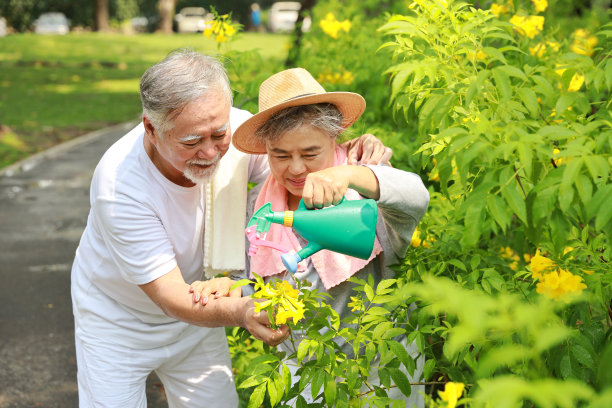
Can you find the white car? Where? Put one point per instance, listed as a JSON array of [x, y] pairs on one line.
[[284, 14], [51, 23], [192, 20]]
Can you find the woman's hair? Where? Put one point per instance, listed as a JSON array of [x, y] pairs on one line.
[[323, 116], [180, 78]]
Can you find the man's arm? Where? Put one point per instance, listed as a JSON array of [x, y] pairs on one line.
[[171, 294]]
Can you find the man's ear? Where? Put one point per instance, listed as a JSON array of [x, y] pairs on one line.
[[149, 130]]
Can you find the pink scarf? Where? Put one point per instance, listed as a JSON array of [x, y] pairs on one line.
[[333, 268]]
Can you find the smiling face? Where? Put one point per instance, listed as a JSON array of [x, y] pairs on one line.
[[189, 152], [297, 153]]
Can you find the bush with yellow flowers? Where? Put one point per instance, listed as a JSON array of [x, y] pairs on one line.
[[504, 111]]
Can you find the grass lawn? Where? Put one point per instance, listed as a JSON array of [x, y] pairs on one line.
[[53, 88]]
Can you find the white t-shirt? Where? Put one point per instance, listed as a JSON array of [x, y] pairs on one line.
[[140, 227]]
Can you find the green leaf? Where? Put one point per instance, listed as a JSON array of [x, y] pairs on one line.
[[377, 311], [458, 264], [383, 286], [570, 176], [493, 278], [240, 283], [400, 379], [584, 188], [497, 208], [564, 102], [555, 132], [252, 381], [608, 72], [495, 54], [399, 351], [502, 82], [599, 205], [274, 393], [530, 100], [317, 383], [330, 390], [515, 202], [475, 87], [513, 71], [369, 292], [428, 369], [257, 396], [543, 86], [583, 356], [303, 349], [567, 370]]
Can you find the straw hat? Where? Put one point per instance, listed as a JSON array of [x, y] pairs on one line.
[[293, 87]]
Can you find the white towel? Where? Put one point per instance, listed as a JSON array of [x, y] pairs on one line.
[[226, 195]]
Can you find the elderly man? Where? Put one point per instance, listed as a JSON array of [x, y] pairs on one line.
[[165, 208]]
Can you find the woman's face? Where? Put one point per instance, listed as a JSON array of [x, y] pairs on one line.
[[298, 153]]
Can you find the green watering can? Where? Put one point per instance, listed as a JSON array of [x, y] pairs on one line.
[[348, 228]]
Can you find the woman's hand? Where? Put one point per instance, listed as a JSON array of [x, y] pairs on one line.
[[218, 287], [326, 187]]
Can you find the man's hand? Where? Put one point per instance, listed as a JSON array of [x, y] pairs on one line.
[[367, 149], [257, 323], [218, 287]]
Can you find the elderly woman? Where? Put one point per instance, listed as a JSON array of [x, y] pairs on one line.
[[297, 127]]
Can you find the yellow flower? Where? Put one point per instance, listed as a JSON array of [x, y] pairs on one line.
[[588, 271], [220, 38], [348, 78], [584, 43], [355, 305], [559, 161], [208, 32], [557, 284], [538, 50], [576, 83], [529, 26], [452, 392], [540, 264], [499, 9], [540, 5], [284, 298], [416, 238], [509, 254], [229, 29], [331, 26]]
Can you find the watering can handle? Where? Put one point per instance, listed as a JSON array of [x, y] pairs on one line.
[[302, 206]]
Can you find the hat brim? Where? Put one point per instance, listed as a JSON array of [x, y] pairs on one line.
[[350, 105]]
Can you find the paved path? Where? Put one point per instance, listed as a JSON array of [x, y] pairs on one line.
[[44, 202]]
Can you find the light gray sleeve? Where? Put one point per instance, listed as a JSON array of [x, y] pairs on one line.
[[403, 202]]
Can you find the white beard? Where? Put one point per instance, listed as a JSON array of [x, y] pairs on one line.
[[198, 175]]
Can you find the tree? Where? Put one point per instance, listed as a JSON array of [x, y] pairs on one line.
[[102, 15], [166, 14]]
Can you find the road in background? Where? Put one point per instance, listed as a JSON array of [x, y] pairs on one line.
[[44, 202]]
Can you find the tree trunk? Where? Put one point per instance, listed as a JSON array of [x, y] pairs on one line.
[[102, 15], [166, 14], [294, 51]]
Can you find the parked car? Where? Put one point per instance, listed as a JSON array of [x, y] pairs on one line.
[[192, 19], [284, 14], [51, 23]]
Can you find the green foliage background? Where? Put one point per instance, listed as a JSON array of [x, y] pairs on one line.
[[515, 163]]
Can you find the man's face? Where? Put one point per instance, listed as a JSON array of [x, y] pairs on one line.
[[190, 151]]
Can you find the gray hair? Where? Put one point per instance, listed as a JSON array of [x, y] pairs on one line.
[[323, 116], [180, 78]]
